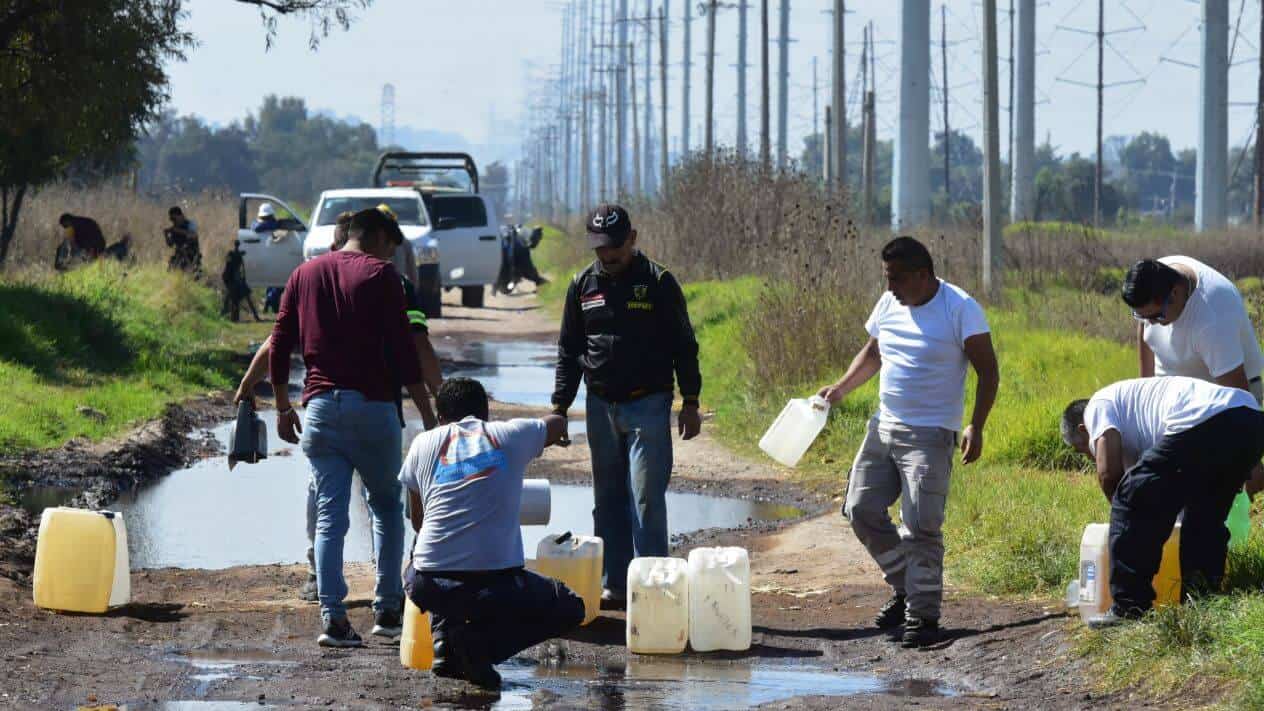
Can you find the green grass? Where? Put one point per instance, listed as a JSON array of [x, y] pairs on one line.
[[1015, 518], [124, 343]]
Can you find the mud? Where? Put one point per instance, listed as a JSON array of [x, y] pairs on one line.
[[240, 636]]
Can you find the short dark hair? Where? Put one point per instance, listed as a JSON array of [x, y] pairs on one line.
[[65, 217], [1072, 418], [910, 253], [459, 398], [373, 221], [175, 210], [1149, 280]]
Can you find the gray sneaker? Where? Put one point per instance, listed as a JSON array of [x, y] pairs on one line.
[[339, 633], [388, 623]]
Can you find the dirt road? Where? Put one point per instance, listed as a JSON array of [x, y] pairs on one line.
[[241, 635]]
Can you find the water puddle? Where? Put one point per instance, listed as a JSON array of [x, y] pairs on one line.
[[206, 516], [210, 706], [688, 685], [516, 373], [34, 499]]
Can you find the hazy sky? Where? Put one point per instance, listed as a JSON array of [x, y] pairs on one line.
[[455, 61]]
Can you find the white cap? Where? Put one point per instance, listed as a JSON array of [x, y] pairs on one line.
[[266, 210]]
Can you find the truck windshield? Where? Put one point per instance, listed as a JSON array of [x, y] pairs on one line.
[[407, 210], [466, 211]]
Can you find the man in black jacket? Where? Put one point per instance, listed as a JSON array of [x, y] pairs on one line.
[[626, 328]]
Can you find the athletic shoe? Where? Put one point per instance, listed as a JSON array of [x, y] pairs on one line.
[[388, 623], [920, 632], [1111, 618], [613, 599], [338, 633], [891, 615]]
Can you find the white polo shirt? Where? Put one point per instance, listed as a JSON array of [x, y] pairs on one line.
[[922, 382], [1214, 334]]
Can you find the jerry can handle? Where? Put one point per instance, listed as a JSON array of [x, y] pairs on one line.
[[562, 538]]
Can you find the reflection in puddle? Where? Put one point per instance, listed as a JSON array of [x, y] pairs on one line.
[[690, 684], [208, 517], [515, 373], [34, 499]]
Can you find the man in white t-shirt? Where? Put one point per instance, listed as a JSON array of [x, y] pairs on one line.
[[1192, 321], [1194, 445], [464, 481], [922, 334]]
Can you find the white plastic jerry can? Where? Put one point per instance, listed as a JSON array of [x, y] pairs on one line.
[[795, 429], [719, 599], [658, 605], [81, 562], [576, 561], [1094, 582]]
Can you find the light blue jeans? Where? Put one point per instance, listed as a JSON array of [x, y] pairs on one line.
[[631, 449], [343, 433]]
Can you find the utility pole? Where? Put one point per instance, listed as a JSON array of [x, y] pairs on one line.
[[602, 117], [827, 152], [1213, 119], [742, 5], [1010, 154], [1259, 138], [910, 195], [662, 88], [838, 100], [783, 88], [585, 120], [866, 131], [647, 154], [709, 128], [687, 65], [992, 247], [1023, 169], [816, 102], [636, 134], [765, 152], [1097, 174], [621, 102], [943, 46], [564, 101]]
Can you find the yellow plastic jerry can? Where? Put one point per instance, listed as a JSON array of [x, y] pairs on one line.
[[81, 562], [416, 647]]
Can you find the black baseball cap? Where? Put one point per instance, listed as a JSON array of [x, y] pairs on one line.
[[608, 226]]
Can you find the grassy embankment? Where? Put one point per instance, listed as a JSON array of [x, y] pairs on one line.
[[1016, 517], [91, 352]]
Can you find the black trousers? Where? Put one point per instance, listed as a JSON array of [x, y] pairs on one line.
[[494, 615], [1199, 470]]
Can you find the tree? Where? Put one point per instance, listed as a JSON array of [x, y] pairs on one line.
[[322, 15], [80, 78], [1148, 163]]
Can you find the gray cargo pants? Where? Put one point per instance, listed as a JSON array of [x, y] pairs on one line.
[[912, 464]]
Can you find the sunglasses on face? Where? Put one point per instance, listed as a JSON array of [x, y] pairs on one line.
[[1157, 317]]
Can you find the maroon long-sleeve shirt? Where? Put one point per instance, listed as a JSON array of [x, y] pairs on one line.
[[345, 312]]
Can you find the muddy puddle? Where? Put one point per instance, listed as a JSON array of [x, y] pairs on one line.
[[209, 517], [518, 373]]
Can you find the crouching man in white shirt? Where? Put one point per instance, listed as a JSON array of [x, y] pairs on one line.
[[1194, 445], [922, 334]]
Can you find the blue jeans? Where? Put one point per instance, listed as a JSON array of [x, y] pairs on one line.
[[631, 449], [494, 615], [342, 433]]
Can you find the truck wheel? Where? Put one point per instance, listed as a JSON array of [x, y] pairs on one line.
[[472, 297], [429, 295]]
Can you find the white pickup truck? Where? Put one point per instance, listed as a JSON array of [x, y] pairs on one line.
[[270, 253], [414, 221], [465, 223]]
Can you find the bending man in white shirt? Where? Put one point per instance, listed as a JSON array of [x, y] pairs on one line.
[[1192, 321], [1195, 444], [922, 334]]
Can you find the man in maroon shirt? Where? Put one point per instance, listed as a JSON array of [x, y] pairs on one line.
[[345, 312]]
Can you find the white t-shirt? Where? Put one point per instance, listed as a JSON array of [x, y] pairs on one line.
[[923, 376], [469, 477], [1214, 334], [1144, 410]]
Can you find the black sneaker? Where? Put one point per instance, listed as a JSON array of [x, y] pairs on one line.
[[338, 633], [920, 632], [451, 662], [309, 591], [388, 623], [891, 615]]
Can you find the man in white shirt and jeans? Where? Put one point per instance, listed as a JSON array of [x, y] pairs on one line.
[[922, 333], [1192, 321], [1194, 445], [464, 481]]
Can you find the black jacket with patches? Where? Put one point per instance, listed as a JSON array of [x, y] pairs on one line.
[[628, 335]]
